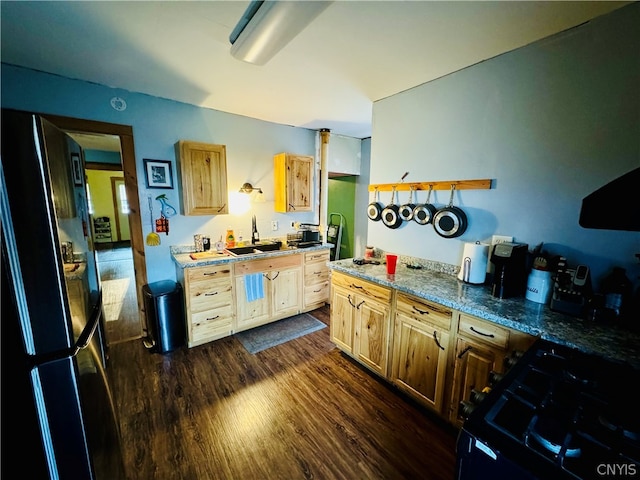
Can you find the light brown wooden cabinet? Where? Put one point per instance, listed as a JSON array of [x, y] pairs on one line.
[[360, 320], [421, 349], [203, 174], [316, 279], [209, 309], [481, 348], [293, 175], [282, 287]]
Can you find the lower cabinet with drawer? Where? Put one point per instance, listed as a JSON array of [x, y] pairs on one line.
[[316, 280], [360, 320], [209, 303], [281, 288], [482, 348], [421, 348]]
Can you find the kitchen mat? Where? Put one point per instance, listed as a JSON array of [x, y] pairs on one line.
[[276, 333]]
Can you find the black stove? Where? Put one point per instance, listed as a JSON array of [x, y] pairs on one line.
[[557, 414]]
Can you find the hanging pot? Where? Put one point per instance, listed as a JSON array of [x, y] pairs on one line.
[[423, 213], [406, 210], [374, 209], [390, 215], [450, 221]]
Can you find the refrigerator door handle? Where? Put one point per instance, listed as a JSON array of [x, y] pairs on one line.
[[82, 342]]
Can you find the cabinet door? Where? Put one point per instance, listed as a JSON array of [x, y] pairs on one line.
[[473, 363], [293, 175], [251, 314], [420, 360], [342, 318], [203, 170], [371, 343], [285, 292]]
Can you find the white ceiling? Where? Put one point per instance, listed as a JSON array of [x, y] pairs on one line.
[[354, 53]]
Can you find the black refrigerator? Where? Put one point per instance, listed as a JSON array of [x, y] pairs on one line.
[[59, 419]]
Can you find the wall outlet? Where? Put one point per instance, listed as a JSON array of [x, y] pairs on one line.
[[274, 225]]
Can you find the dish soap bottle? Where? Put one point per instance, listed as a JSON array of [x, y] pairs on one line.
[[231, 239]]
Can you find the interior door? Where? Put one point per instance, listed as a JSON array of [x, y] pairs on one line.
[[121, 209]]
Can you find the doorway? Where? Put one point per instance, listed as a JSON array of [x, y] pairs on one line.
[[126, 169]]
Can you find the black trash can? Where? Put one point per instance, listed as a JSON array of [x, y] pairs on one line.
[[164, 305]]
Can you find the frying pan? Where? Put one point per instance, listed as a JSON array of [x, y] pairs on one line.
[[450, 221], [374, 209], [406, 210], [390, 216], [423, 212]]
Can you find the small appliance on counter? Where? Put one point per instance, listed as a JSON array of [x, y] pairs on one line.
[[571, 290], [510, 276], [473, 268], [306, 236]]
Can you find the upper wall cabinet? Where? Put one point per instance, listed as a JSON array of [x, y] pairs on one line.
[[203, 172], [344, 156], [293, 182]]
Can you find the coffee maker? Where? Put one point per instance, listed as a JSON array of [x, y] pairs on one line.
[[510, 275]]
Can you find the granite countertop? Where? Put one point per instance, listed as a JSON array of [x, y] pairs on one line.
[[443, 287], [181, 258]]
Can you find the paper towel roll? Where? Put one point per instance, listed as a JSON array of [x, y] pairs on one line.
[[473, 267]]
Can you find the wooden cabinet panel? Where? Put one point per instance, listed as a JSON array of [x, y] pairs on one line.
[[316, 279], [474, 362], [421, 349], [371, 340], [420, 360], [293, 175], [360, 322], [342, 315], [203, 172], [209, 303], [282, 286]]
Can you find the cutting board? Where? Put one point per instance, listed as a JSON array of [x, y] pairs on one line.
[[206, 255]]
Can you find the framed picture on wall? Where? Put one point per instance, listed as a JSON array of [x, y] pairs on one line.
[[76, 168], [158, 173]]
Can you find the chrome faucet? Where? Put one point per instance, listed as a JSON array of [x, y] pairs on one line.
[[255, 236]]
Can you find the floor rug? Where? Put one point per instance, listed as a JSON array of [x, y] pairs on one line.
[[276, 333]]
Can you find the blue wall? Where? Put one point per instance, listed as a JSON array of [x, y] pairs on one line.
[[157, 125], [549, 123]]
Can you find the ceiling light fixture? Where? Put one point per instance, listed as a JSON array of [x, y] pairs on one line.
[[267, 26]]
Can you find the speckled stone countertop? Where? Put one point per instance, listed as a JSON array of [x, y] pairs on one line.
[[181, 258], [438, 283]]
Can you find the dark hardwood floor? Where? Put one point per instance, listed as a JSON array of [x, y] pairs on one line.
[[301, 410]]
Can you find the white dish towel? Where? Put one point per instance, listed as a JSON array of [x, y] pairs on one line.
[[253, 287]]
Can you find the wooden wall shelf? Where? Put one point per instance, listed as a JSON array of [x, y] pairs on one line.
[[484, 184]]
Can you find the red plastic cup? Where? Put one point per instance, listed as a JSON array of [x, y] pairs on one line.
[[391, 263]]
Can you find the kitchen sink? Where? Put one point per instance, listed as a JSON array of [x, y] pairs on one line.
[[261, 247]]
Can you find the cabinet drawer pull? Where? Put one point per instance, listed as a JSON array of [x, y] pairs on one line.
[[436, 340], [360, 304], [269, 278], [462, 353], [210, 273], [292, 207], [353, 285], [490, 335], [210, 294], [350, 302], [222, 207], [213, 318], [421, 312], [317, 291], [317, 273]]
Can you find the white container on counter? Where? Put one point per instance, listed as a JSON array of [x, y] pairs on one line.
[[539, 286], [473, 267]]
